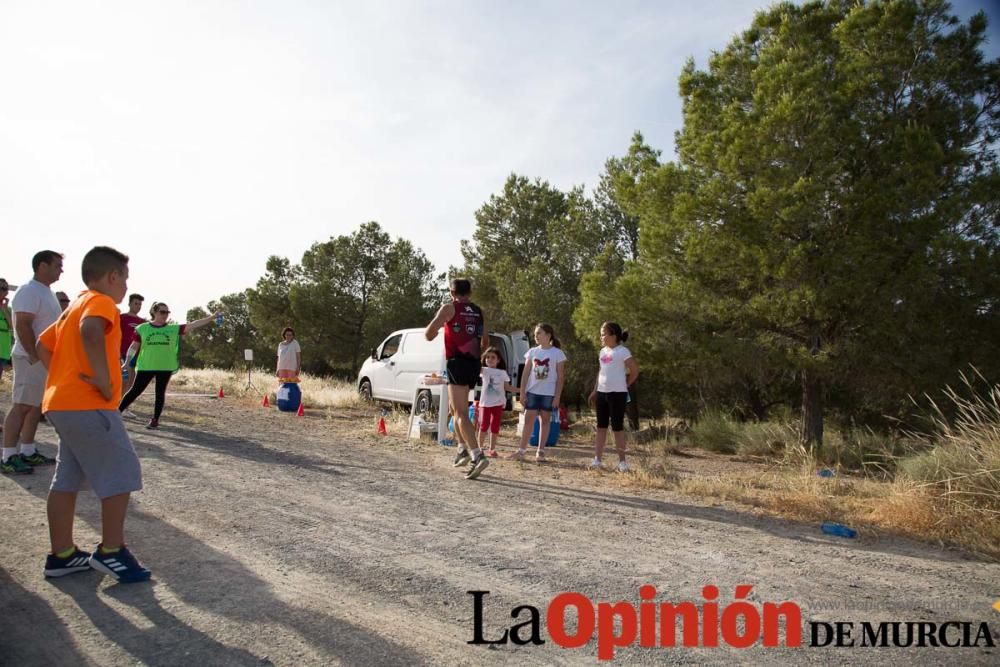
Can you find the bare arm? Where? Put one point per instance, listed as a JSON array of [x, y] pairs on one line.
[[298, 362], [197, 324], [25, 334], [444, 313], [524, 380], [92, 333], [632, 369], [132, 351], [44, 354], [560, 381]]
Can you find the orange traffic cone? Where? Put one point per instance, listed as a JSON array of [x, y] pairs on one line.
[[381, 426], [302, 410], [266, 403], [222, 394]]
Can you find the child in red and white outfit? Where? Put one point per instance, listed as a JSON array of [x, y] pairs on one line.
[[493, 398]]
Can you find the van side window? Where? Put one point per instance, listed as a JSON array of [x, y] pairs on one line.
[[390, 347], [498, 343]]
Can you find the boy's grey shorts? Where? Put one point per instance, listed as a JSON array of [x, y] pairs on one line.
[[94, 446]]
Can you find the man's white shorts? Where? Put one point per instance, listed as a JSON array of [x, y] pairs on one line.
[[29, 381]]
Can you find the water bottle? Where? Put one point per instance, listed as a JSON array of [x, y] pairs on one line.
[[218, 318], [838, 529]]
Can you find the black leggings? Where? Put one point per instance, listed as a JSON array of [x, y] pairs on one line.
[[611, 408], [142, 380]]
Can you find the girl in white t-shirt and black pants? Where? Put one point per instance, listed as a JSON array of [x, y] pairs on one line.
[[618, 371]]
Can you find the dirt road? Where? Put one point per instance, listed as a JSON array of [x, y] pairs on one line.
[[287, 541]]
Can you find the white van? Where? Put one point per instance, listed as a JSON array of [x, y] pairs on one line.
[[396, 366]]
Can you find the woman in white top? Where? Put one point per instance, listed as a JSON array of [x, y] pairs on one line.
[[618, 372], [289, 355]]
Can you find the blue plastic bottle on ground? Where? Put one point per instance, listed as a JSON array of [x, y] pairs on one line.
[[838, 529]]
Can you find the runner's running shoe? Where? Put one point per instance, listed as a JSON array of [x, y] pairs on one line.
[[478, 466], [462, 457]]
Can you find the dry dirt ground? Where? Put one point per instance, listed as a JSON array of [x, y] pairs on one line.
[[311, 541]]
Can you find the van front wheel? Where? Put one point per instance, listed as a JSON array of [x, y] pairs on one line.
[[365, 389], [425, 402]]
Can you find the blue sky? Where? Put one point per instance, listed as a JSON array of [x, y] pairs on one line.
[[201, 137]]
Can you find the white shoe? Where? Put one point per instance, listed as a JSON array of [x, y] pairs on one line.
[[622, 467], [128, 414], [595, 464]]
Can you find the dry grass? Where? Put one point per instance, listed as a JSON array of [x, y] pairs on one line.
[[317, 392], [867, 505], [961, 461]]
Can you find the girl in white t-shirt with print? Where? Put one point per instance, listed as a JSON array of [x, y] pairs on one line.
[[493, 398], [541, 386], [618, 371]]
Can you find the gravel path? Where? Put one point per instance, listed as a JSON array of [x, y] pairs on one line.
[[276, 539]]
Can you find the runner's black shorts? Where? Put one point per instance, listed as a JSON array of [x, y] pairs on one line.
[[464, 370]]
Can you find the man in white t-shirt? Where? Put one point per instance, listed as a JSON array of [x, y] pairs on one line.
[[34, 308]]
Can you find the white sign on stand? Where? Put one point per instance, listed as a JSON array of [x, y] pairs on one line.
[[248, 355]]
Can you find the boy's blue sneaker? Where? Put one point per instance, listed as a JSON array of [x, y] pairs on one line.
[[121, 565], [78, 561]]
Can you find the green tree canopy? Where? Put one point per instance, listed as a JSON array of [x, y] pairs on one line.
[[833, 209]]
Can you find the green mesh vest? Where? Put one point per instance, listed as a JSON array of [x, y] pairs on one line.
[[159, 347], [6, 340]]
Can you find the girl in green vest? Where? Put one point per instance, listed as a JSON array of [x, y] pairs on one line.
[[157, 344]]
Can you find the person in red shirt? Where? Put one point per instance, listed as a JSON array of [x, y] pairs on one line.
[[129, 322], [465, 339]]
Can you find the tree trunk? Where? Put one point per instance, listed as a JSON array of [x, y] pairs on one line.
[[756, 401], [812, 403]]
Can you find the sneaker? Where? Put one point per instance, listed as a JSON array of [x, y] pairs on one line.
[[153, 423], [622, 467], [37, 459], [462, 457], [78, 561], [595, 464], [478, 466], [121, 565], [517, 455], [128, 414], [16, 465]]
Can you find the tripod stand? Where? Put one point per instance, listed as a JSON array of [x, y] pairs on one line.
[[250, 384]]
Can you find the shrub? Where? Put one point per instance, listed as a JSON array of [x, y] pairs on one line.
[[714, 431]]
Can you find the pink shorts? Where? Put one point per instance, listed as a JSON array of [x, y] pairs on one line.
[[284, 374], [489, 419]]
